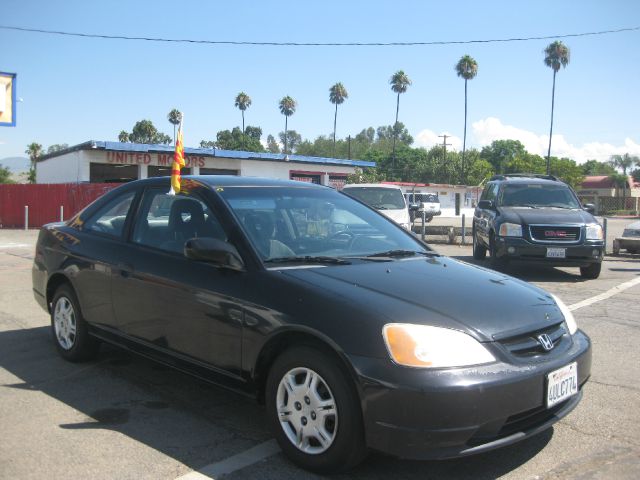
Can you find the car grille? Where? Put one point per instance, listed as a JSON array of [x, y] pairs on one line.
[[555, 233], [528, 345]]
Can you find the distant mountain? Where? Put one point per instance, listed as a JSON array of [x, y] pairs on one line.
[[16, 164]]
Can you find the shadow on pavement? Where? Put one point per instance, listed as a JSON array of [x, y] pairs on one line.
[[189, 420]]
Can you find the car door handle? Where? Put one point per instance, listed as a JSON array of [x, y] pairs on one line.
[[125, 269]]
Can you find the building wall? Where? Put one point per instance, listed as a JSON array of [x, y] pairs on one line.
[[63, 169]]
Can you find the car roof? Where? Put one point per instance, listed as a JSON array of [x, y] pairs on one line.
[[372, 185], [524, 178], [231, 181]]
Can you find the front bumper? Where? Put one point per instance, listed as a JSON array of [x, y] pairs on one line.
[[518, 249], [422, 414]]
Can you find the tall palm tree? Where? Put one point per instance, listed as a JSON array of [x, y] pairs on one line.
[[337, 95], [287, 108], [556, 55], [123, 136], [623, 162], [466, 68], [399, 84], [34, 150], [243, 101], [174, 117]]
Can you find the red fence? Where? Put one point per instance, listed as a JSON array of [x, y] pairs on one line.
[[44, 201]]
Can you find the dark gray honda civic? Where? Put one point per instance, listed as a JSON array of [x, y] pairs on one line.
[[315, 304]]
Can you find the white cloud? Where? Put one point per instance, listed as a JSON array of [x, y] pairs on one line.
[[428, 138], [490, 129]]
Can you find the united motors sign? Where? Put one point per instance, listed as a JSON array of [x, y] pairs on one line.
[[159, 159]]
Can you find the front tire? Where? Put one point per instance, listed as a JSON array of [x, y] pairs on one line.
[[69, 328], [479, 251], [496, 261], [592, 271], [314, 411]]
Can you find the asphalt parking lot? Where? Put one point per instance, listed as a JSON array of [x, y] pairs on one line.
[[122, 416]]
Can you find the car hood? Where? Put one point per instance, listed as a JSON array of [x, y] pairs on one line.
[[438, 291], [400, 215], [545, 216]]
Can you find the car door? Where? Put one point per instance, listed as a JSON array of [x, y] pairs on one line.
[[94, 254], [168, 301]]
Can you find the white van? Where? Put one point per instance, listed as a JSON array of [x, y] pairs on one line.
[[388, 199]]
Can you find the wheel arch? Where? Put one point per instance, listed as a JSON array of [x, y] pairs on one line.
[[285, 339], [56, 280]]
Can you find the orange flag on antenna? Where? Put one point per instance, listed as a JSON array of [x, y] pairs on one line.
[[178, 163]]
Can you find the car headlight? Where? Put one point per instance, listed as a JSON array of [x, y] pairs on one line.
[[594, 232], [566, 313], [510, 230], [433, 347]]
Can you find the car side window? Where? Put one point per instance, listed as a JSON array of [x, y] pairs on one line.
[[166, 221], [490, 192], [110, 219]]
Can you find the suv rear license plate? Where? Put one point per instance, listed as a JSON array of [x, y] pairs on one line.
[[556, 252], [562, 384]]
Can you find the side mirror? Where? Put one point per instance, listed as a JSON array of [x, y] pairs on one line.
[[414, 206], [214, 251], [590, 207], [486, 204]]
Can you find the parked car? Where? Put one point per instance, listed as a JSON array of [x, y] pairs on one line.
[[630, 240], [388, 199], [427, 203], [314, 304], [539, 219]]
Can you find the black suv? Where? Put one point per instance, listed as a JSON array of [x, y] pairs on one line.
[[536, 218]]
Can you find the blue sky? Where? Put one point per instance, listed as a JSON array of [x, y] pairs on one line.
[[76, 89]]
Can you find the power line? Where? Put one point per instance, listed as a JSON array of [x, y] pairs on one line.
[[314, 44]]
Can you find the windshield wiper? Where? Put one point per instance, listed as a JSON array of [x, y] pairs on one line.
[[402, 253], [560, 206], [528, 205], [309, 259]]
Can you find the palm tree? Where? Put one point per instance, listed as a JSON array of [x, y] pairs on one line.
[[399, 84], [34, 150], [623, 162], [466, 68], [243, 101], [556, 55], [123, 136], [174, 117], [337, 95], [287, 108]]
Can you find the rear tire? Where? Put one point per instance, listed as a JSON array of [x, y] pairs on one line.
[[592, 271], [69, 329], [479, 251], [314, 411]]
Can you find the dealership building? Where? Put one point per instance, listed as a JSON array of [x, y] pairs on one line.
[[108, 162]]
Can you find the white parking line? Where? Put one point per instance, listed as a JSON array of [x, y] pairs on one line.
[[603, 296], [231, 464], [14, 245]]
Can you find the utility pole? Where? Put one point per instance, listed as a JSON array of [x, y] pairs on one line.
[[444, 146]]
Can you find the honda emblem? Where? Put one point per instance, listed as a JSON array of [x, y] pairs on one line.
[[545, 341]]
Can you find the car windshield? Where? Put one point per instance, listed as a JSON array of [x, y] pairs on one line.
[[378, 197], [538, 195], [314, 225]]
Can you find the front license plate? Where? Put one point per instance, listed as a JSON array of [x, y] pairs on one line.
[[562, 384], [556, 252]]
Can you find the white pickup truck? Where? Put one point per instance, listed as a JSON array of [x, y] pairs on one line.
[[427, 202]]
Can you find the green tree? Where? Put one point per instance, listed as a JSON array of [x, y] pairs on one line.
[[145, 132], [56, 147], [466, 68], [294, 139], [501, 152], [567, 170], [123, 137], [243, 101], [272, 144], [174, 117], [624, 163], [5, 175], [399, 84], [235, 140], [207, 144], [594, 167], [287, 108], [556, 55], [620, 181], [34, 150], [337, 95]]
